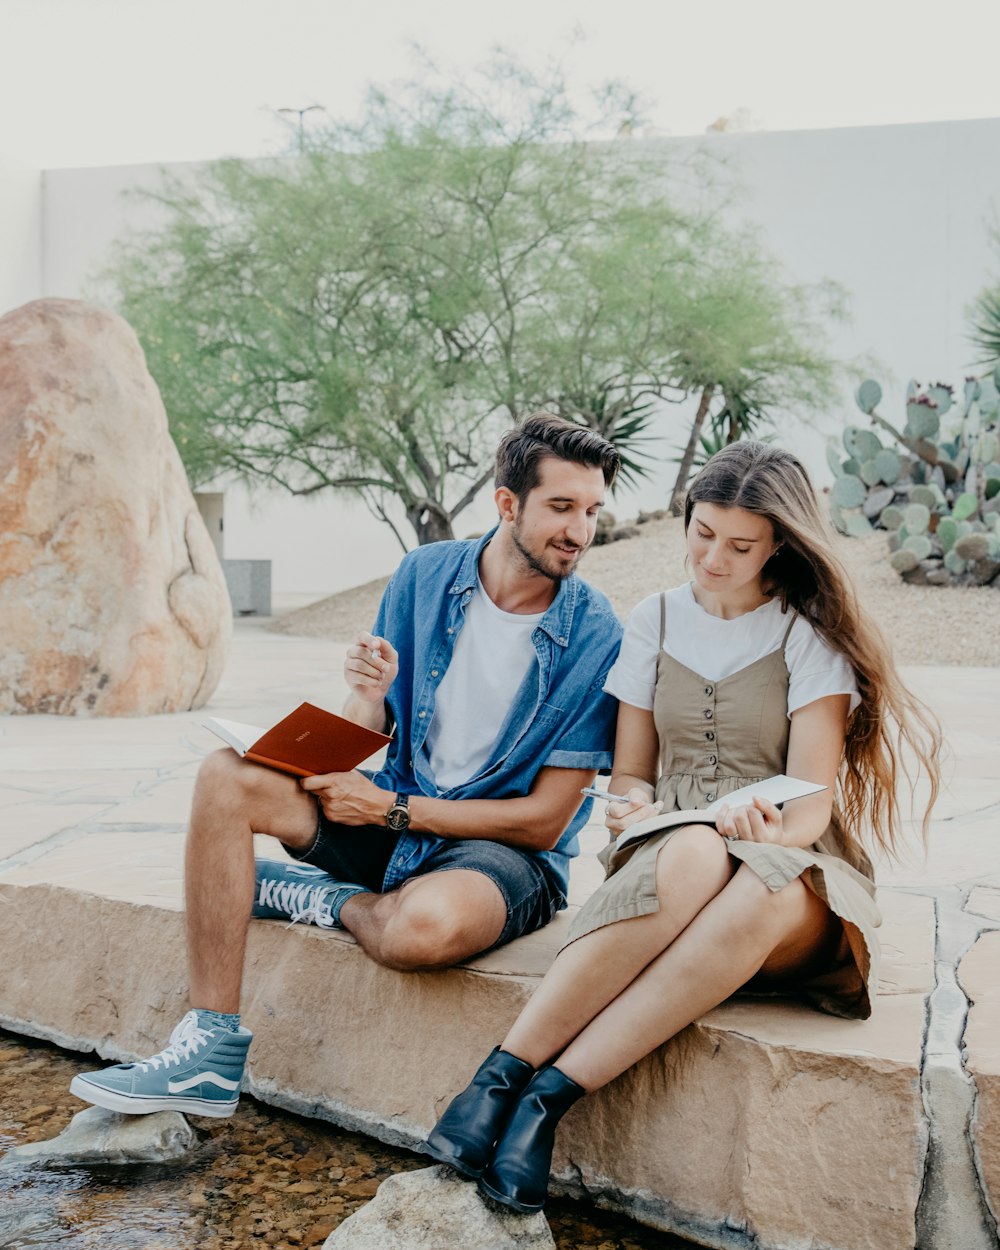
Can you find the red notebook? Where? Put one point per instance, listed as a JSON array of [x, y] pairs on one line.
[[307, 743]]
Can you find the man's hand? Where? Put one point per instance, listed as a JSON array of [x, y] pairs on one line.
[[639, 807], [350, 798], [370, 668], [757, 822]]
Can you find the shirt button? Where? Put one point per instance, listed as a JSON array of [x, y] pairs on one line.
[[710, 736], [712, 759], [434, 672], [708, 689], [708, 713], [562, 642], [422, 715], [710, 796], [450, 630]]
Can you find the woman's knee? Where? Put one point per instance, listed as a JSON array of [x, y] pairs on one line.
[[695, 858]]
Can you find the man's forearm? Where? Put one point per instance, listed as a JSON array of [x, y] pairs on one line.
[[520, 822]]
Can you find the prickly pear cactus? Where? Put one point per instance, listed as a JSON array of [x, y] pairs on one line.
[[933, 485]]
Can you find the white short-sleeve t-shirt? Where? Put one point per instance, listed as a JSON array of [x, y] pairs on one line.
[[491, 658], [716, 648]]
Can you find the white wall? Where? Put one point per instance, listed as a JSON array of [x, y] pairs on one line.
[[20, 234], [895, 214]]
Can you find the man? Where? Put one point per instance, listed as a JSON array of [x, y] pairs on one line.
[[487, 662]]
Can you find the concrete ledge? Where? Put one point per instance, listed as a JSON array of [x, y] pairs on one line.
[[752, 1128]]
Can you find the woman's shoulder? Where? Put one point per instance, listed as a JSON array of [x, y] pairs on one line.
[[646, 613], [806, 647]]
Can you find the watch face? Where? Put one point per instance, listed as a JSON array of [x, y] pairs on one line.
[[397, 818]]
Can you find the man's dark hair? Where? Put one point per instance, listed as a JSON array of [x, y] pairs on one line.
[[543, 434]]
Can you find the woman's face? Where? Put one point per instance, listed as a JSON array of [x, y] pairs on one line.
[[728, 548]]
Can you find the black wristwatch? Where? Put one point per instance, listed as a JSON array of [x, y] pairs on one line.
[[397, 818]]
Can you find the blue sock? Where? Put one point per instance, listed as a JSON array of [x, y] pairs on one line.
[[339, 896], [218, 1020]]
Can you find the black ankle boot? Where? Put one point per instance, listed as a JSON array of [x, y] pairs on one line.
[[463, 1138], [518, 1174]]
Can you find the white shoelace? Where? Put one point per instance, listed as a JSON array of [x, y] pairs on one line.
[[187, 1039], [304, 903]]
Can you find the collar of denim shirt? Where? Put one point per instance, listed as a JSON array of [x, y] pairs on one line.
[[558, 619]]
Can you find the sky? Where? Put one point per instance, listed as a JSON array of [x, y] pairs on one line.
[[108, 82]]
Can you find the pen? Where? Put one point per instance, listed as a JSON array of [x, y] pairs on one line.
[[594, 793]]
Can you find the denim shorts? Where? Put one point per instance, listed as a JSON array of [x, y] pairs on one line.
[[361, 854]]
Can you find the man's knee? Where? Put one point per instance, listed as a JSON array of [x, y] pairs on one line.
[[426, 930]]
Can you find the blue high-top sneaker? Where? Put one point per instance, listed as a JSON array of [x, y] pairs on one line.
[[299, 893], [199, 1072]]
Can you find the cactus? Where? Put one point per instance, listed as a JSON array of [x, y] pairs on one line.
[[928, 496], [868, 396], [937, 491], [903, 560], [918, 517], [861, 445], [922, 421], [848, 491], [920, 545], [857, 526], [972, 547], [947, 533], [888, 466]]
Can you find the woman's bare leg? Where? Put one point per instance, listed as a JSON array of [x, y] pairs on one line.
[[745, 929], [691, 869]]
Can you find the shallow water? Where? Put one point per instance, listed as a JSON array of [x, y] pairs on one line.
[[263, 1178]]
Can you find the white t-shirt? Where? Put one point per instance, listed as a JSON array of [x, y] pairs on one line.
[[492, 655], [716, 648]]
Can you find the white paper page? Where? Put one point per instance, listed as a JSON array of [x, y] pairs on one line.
[[239, 736], [780, 789]]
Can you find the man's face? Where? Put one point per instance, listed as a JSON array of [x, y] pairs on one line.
[[555, 525]]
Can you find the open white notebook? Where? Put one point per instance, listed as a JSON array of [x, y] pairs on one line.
[[779, 789]]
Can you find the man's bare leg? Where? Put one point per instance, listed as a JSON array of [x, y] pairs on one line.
[[433, 921], [233, 799]]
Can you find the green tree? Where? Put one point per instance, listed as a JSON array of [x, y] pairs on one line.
[[368, 313]]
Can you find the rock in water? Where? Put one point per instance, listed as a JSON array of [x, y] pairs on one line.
[[112, 600], [433, 1209], [95, 1136]]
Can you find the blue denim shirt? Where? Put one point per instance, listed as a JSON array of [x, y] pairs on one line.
[[560, 717]]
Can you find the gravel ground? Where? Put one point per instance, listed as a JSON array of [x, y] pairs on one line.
[[926, 624]]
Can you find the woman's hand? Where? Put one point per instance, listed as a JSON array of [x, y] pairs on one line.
[[639, 807], [759, 821]]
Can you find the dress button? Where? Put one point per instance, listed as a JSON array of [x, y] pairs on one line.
[[708, 713]]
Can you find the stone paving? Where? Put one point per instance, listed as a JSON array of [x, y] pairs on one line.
[[764, 1125]]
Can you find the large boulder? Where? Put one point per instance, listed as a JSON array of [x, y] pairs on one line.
[[112, 600]]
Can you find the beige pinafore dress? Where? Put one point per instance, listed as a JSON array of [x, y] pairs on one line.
[[716, 736]]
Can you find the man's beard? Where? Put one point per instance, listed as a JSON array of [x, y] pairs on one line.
[[537, 566]]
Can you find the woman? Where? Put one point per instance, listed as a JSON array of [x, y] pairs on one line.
[[762, 664]]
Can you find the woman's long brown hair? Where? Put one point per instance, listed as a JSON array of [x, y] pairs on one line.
[[807, 576]]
